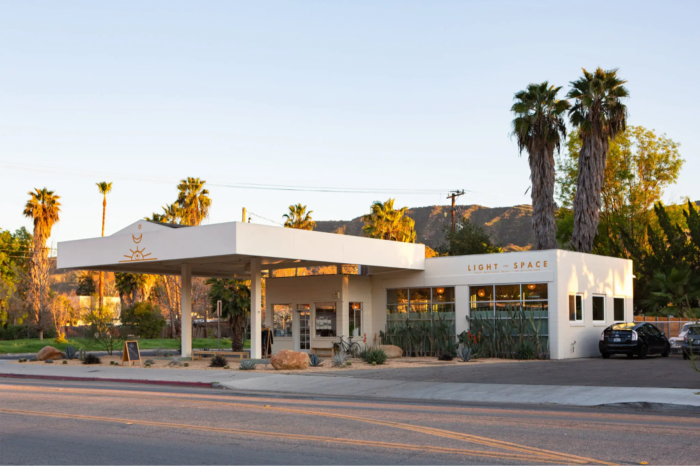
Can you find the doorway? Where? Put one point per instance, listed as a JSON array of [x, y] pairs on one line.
[[304, 327]]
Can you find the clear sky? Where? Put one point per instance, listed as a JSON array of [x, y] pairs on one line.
[[362, 94]]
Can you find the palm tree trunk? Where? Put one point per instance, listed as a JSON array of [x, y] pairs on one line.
[[102, 274], [542, 176], [591, 171]]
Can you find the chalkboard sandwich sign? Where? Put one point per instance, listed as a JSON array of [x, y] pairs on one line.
[[131, 353]]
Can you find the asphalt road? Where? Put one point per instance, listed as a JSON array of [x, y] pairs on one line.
[[100, 423], [671, 372]]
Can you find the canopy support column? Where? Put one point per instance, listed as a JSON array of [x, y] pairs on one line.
[[255, 307], [186, 310]]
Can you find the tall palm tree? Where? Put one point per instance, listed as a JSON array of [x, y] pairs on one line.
[[539, 129], [599, 115], [194, 201], [43, 208], [299, 218], [235, 304], [385, 222], [105, 188]]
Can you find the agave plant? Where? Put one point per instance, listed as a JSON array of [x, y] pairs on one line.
[[339, 360], [247, 365], [314, 360], [70, 352], [218, 361]]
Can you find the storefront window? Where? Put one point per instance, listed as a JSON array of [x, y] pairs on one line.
[[420, 305], [325, 321], [356, 319], [507, 292], [481, 293], [524, 305], [282, 320]]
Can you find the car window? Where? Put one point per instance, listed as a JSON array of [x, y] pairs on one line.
[[654, 331], [693, 330], [643, 329]]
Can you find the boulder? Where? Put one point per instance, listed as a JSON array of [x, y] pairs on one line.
[[286, 360], [48, 352], [392, 351]]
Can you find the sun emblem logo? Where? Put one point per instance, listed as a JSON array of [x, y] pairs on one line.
[[139, 254]]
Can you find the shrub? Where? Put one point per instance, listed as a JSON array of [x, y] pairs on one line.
[[314, 360], [91, 359], [339, 360], [247, 365], [65, 362], [103, 332], [145, 319], [174, 362], [526, 350], [70, 352], [12, 332], [373, 355], [49, 361], [218, 361], [187, 364], [445, 356]]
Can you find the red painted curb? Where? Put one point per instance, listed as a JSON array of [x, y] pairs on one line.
[[97, 379]]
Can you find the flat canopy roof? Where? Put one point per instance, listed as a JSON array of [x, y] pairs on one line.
[[226, 250]]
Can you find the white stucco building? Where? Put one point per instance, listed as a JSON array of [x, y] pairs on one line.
[[574, 296]]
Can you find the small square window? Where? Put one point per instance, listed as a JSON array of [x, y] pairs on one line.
[[599, 308], [619, 309], [576, 308]]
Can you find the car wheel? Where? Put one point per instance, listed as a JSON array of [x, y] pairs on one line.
[[643, 352], [686, 355], [667, 351], [605, 355]]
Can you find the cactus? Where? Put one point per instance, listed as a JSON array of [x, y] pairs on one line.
[[465, 353], [339, 360], [81, 354], [314, 360], [247, 365]]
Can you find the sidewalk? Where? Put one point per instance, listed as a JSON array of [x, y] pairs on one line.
[[368, 388]]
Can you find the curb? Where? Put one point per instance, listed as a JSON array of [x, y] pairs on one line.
[[98, 379]]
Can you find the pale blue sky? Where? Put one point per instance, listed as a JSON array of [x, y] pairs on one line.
[[374, 94]]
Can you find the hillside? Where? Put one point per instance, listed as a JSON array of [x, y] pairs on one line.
[[509, 227]]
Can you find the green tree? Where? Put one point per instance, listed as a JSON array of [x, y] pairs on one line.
[[86, 285], [43, 208], [599, 115], [15, 250], [640, 166], [539, 129], [193, 200], [235, 305], [385, 222], [468, 238], [145, 319], [299, 218]]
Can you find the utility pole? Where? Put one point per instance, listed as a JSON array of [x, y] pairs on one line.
[[454, 195]]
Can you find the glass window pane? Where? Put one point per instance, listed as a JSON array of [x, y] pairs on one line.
[[579, 307], [355, 319], [599, 308], [419, 295], [536, 309], [481, 310], [506, 310], [507, 292], [534, 291], [481, 293], [444, 311], [325, 320], [572, 307], [397, 296], [619, 309], [419, 312], [282, 320], [444, 294], [302, 307]]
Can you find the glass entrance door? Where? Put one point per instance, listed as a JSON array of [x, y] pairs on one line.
[[304, 331]]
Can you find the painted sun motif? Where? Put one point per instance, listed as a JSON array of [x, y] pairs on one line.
[[138, 255]]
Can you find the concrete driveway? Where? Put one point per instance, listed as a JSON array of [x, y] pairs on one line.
[[671, 372]]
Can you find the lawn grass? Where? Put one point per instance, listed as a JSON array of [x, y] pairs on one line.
[[33, 345]]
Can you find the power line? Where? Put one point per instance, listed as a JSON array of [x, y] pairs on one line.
[[238, 185], [260, 216]]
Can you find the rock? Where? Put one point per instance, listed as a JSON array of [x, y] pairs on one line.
[[285, 360], [392, 352], [48, 352]]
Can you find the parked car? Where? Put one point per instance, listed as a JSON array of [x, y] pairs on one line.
[[691, 342], [633, 338], [676, 342]]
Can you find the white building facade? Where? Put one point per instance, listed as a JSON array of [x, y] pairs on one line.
[[573, 296]]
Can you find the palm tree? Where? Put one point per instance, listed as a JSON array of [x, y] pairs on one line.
[[235, 304], [42, 207], [385, 222], [539, 128], [599, 115], [193, 200], [105, 188], [299, 218], [172, 213]]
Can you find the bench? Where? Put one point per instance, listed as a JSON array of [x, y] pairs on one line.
[[323, 352], [237, 354]]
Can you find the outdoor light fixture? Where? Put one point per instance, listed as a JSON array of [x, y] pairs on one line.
[[481, 293], [531, 287], [355, 305]]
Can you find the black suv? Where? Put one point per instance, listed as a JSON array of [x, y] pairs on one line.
[[633, 338]]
